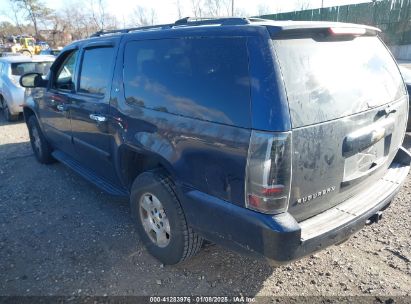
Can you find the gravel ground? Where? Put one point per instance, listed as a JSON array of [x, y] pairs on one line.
[[62, 236]]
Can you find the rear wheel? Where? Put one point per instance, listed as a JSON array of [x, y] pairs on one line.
[[160, 219], [39, 144]]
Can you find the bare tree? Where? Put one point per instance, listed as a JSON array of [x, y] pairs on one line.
[[212, 7], [239, 12], [59, 26], [97, 13], [197, 8], [8, 29], [35, 11], [179, 9], [303, 5], [101, 19], [111, 22], [144, 16], [79, 22], [217, 8], [15, 15], [102, 14], [263, 9]]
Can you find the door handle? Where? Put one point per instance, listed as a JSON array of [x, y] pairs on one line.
[[387, 111], [98, 118], [365, 137], [61, 108]]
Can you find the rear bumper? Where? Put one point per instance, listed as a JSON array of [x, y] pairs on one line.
[[280, 238]]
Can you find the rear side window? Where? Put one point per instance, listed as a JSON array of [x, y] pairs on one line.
[[96, 70], [21, 68], [326, 80], [204, 78]]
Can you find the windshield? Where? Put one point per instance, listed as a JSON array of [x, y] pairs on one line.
[[330, 79], [21, 68]]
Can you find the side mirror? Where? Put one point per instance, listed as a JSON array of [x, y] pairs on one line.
[[33, 80]]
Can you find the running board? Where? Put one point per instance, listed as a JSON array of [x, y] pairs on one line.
[[89, 175]]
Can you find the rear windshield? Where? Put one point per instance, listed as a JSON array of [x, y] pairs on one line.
[[332, 79], [21, 68]]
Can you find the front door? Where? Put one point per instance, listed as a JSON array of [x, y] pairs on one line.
[[89, 109], [54, 108]]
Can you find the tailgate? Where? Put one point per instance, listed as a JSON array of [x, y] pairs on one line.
[[335, 160], [348, 108]]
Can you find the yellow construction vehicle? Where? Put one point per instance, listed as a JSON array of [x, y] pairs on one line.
[[24, 45]]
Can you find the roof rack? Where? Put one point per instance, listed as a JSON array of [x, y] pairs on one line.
[[131, 29], [193, 21], [187, 21]]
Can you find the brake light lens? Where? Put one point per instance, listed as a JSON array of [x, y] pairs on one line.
[[268, 174], [355, 31]]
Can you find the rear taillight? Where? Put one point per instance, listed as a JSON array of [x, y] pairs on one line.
[[268, 174]]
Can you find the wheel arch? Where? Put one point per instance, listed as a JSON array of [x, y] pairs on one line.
[[5, 94], [27, 112], [132, 161], [26, 51]]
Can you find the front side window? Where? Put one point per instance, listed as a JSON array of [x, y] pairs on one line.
[[64, 78], [203, 78], [96, 70]]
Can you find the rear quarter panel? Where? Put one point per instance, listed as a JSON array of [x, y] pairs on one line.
[[201, 155]]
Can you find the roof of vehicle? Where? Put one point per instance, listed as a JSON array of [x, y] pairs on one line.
[[35, 58], [189, 22]]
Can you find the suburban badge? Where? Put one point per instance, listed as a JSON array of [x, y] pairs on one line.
[[310, 197]]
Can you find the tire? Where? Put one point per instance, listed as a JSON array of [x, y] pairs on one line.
[[41, 148], [26, 53], [7, 115], [182, 242]]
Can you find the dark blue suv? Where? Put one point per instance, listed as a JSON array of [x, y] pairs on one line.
[[270, 138]]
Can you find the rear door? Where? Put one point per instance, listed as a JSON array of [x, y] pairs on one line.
[[89, 108], [348, 109]]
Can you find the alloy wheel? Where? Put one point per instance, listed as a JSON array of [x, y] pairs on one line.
[[154, 220]]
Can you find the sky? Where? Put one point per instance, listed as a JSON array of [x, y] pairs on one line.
[[166, 11]]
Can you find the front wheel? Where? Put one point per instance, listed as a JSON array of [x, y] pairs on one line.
[[39, 144], [160, 219]]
